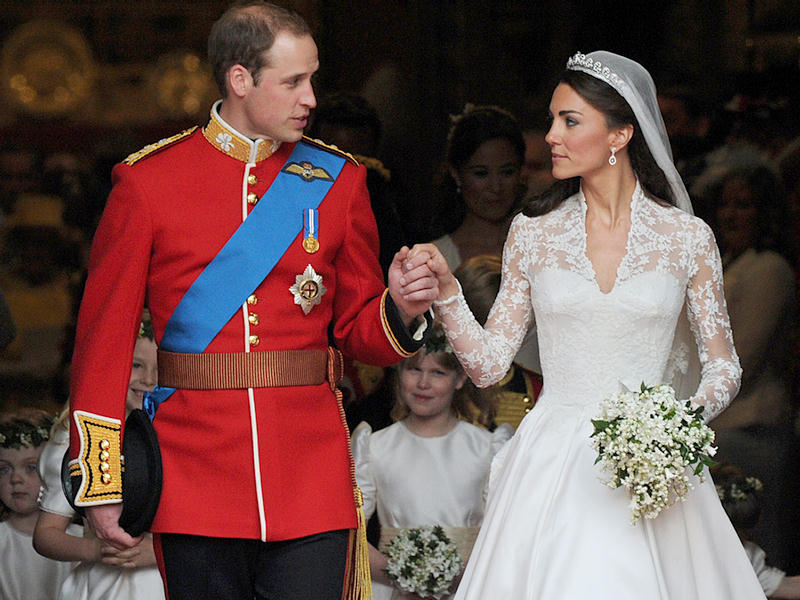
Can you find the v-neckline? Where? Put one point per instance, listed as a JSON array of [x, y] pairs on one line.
[[585, 253]]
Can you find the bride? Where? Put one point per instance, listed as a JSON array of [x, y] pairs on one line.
[[609, 261]]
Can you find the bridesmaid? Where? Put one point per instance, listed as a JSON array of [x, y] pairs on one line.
[[430, 466]]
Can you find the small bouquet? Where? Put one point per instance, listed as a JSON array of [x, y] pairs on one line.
[[646, 440], [423, 561]]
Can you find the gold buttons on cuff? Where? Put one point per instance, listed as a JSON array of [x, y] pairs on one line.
[[252, 198], [104, 466], [254, 341], [252, 300], [253, 318], [252, 179]]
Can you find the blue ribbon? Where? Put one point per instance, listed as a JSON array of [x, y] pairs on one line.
[[248, 256]]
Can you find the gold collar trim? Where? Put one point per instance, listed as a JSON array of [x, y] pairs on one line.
[[229, 141]]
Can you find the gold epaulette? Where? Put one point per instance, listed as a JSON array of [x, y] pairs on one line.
[[159, 145], [331, 148], [99, 459]]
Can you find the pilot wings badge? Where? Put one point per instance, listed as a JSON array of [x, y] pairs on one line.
[[308, 289], [307, 171]]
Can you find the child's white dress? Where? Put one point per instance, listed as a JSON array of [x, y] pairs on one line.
[[414, 481], [769, 577], [25, 574]]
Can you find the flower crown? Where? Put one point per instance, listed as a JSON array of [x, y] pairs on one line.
[[581, 62], [21, 433], [437, 343], [737, 490]]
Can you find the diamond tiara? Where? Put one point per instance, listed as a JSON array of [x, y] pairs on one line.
[[581, 62]]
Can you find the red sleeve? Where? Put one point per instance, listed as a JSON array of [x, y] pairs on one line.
[[361, 301], [109, 318]]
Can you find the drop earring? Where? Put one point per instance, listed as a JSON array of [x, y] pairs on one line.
[[612, 160]]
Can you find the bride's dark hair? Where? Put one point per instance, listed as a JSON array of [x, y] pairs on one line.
[[617, 113]]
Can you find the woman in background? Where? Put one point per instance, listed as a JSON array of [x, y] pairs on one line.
[[482, 186], [756, 236]]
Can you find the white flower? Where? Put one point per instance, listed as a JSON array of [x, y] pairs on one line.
[[423, 561], [224, 140], [650, 443]]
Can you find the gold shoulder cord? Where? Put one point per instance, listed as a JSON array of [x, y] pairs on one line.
[[331, 148], [159, 145]]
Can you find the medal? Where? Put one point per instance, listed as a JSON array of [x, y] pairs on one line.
[[310, 230], [308, 289]]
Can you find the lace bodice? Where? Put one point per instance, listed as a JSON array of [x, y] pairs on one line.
[[590, 342]]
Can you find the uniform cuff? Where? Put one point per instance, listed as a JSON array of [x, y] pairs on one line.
[[99, 459], [404, 341]]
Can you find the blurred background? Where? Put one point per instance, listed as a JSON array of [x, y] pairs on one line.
[[99, 79]]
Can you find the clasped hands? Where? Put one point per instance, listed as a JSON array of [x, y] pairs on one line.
[[417, 277]]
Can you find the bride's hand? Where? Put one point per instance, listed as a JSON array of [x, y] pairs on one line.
[[448, 287]]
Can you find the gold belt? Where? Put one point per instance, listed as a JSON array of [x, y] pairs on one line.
[[241, 370]]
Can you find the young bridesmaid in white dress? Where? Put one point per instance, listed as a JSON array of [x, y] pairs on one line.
[[430, 467], [608, 261]]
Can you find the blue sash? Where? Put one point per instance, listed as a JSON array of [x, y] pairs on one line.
[[248, 256]]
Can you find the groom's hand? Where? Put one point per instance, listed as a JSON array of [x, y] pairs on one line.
[[413, 287]]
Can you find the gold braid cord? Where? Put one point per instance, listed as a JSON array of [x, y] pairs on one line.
[[357, 583]]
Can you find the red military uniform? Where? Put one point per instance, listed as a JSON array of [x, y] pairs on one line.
[[265, 463]]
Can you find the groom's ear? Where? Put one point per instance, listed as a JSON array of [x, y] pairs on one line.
[[621, 136]]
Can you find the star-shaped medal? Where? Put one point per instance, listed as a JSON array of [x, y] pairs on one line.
[[308, 289]]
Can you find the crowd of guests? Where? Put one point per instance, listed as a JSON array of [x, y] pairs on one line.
[[422, 425]]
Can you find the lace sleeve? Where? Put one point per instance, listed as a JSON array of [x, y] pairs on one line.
[[708, 318], [486, 353]]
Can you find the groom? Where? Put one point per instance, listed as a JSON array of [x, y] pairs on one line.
[[253, 247]]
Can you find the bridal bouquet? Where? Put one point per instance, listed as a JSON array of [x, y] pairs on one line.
[[423, 561], [645, 442]]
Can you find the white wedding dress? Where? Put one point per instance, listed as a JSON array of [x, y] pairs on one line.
[[552, 530]]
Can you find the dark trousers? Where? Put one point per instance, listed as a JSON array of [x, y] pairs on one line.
[[197, 568]]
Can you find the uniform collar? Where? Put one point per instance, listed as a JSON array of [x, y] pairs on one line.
[[232, 143]]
